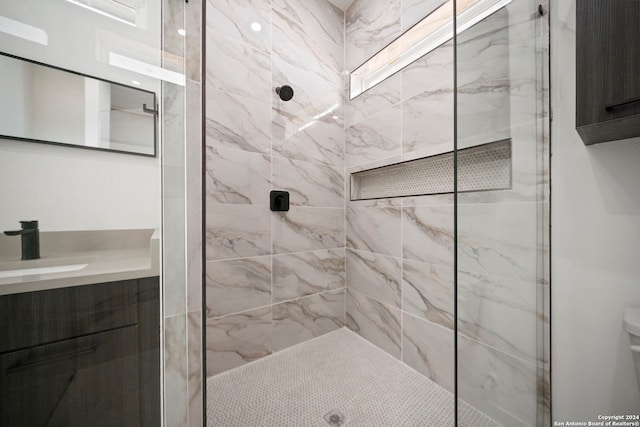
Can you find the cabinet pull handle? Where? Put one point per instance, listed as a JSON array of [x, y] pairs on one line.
[[610, 107], [22, 366]]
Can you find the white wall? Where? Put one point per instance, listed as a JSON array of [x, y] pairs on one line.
[[74, 188], [595, 251]]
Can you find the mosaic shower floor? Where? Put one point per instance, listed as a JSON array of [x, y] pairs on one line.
[[338, 379]]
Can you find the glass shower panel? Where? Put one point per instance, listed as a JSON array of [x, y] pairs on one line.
[[80, 317], [502, 236]]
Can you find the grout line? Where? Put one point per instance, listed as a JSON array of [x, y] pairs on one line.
[[247, 205], [376, 300], [277, 254], [328, 291]]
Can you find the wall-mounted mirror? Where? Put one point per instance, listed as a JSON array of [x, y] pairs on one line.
[[39, 103], [428, 34]]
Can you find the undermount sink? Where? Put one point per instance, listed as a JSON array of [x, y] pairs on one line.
[[42, 266]]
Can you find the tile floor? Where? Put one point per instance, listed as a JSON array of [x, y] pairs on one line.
[[336, 374]]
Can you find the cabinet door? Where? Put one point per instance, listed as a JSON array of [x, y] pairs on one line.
[[608, 69], [87, 381]]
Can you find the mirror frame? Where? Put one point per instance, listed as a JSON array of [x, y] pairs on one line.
[[65, 144]]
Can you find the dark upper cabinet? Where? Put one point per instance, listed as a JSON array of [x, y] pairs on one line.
[[607, 70]]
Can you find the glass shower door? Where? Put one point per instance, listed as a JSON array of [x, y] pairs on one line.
[[502, 232]]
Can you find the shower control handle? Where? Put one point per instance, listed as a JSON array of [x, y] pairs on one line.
[[279, 201]]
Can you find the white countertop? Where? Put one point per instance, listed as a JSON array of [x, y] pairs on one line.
[[137, 257]]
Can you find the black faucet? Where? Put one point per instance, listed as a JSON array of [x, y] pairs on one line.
[[30, 239]]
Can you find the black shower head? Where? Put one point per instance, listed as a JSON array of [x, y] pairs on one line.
[[285, 92]]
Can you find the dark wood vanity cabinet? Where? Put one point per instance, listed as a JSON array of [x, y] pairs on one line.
[[607, 70], [81, 356]]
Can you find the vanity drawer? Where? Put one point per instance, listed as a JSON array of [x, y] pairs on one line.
[[91, 380], [35, 318]]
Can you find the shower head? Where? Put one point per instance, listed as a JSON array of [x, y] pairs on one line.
[[285, 92]]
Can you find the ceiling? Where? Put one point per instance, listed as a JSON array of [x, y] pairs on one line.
[[342, 4]]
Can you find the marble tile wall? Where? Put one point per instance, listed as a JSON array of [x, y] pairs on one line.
[[273, 279], [400, 277]]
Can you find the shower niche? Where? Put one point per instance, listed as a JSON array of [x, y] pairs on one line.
[[481, 168]]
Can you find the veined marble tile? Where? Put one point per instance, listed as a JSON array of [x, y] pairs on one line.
[[481, 113], [294, 45], [237, 231], [429, 200], [237, 177], [309, 184], [194, 355], [314, 140], [396, 158], [311, 125], [173, 127], [238, 285], [375, 230], [305, 318], [427, 234], [530, 171], [373, 203], [317, 16], [301, 274], [193, 40], [413, 11], [502, 313], [377, 137], [370, 26], [237, 122], [483, 77], [174, 249], [427, 111], [375, 276], [433, 73], [308, 229], [502, 387], [500, 240], [237, 339], [175, 369], [427, 125], [490, 135], [173, 15], [376, 322], [429, 349], [237, 68], [193, 189], [427, 291], [380, 97], [234, 18]]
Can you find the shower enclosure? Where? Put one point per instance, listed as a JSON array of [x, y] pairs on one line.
[[412, 264], [96, 98]]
